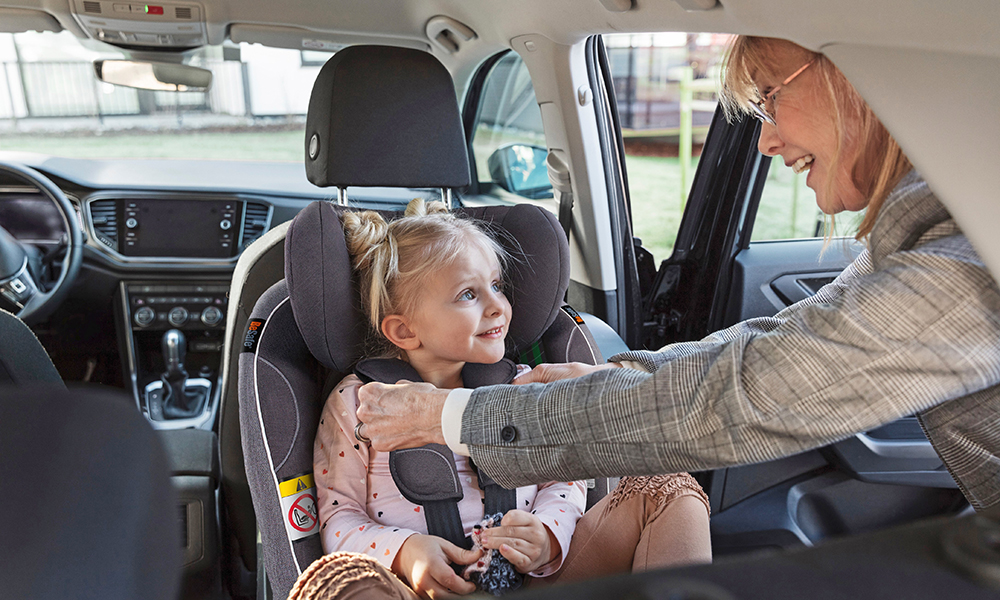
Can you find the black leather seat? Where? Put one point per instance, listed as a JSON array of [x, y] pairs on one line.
[[23, 360]]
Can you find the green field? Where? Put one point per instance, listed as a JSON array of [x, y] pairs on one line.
[[654, 181]]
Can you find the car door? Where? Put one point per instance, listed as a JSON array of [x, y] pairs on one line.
[[718, 274]]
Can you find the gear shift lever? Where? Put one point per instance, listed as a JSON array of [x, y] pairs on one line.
[[174, 348], [176, 401]]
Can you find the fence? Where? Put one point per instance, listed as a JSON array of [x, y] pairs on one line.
[[70, 89]]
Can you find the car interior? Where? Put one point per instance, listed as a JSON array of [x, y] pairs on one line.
[[155, 276]]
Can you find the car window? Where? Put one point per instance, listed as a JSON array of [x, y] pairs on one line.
[[666, 87], [508, 142], [51, 103]]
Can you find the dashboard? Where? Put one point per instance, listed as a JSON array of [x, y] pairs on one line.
[[162, 240]]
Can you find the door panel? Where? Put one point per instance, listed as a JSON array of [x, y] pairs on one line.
[[884, 477]]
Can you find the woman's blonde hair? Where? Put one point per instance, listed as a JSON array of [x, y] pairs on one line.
[[393, 259], [878, 164]]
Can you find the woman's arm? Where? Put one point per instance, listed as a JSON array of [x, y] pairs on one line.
[[897, 341]]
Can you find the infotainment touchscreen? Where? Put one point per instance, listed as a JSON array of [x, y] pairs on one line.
[[180, 228]]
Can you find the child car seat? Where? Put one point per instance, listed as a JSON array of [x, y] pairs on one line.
[[306, 333]]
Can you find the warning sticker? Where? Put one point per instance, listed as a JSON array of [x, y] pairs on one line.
[[298, 507], [295, 485]]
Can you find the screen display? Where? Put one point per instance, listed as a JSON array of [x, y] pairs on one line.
[[31, 219], [179, 228]]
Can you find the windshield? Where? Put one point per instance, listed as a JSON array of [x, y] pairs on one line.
[[52, 103]]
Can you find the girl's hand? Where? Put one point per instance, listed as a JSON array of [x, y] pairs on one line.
[[424, 562], [547, 373], [524, 540]]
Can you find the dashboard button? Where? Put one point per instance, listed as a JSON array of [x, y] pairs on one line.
[[131, 223], [144, 316], [211, 316], [225, 224], [177, 316]]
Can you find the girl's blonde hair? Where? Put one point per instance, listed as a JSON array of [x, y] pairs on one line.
[[878, 164], [393, 259]]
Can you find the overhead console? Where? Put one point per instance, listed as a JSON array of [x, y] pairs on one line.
[[139, 24]]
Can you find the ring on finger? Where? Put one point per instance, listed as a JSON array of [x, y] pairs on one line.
[[357, 434]]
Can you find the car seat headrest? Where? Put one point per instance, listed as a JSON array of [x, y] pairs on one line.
[[385, 116], [326, 303]]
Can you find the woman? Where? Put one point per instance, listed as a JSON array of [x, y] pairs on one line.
[[911, 326]]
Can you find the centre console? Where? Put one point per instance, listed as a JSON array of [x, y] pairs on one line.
[[174, 337]]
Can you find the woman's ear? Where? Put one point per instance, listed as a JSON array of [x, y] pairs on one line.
[[396, 329]]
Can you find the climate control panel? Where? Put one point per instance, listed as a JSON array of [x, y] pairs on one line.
[[177, 306]]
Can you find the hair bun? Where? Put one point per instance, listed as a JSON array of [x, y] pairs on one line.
[[363, 231], [418, 207]]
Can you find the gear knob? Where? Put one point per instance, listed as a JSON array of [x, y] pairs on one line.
[[174, 348]]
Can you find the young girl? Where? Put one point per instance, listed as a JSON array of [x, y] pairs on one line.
[[433, 291]]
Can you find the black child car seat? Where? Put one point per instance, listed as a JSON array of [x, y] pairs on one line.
[[389, 117]]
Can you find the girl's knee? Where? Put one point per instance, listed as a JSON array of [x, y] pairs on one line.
[[657, 492]]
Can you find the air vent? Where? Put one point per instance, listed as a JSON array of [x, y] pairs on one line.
[[92, 7], [182, 12], [104, 216], [254, 222]]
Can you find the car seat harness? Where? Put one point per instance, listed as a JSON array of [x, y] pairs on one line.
[[427, 476]]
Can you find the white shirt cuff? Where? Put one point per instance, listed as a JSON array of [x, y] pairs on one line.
[[451, 419], [631, 364]]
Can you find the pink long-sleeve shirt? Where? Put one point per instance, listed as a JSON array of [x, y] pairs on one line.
[[362, 510]]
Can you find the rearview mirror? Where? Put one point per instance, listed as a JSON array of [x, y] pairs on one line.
[[520, 169], [156, 76]]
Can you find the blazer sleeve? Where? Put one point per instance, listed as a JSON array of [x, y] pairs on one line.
[[921, 329]]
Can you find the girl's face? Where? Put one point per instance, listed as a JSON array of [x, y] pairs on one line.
[[805, 134], [461, 314]]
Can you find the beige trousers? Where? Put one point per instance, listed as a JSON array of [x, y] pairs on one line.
[[645, 523]]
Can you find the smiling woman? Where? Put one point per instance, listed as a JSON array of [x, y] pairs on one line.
[[815, 120]]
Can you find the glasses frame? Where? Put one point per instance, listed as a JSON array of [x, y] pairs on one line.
[[759, 108]]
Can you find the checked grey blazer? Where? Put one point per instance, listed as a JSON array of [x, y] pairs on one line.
[[913, 326]]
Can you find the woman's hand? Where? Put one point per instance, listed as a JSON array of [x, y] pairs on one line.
[[524, 540], [547, 373], [403, 415], [424, 562]]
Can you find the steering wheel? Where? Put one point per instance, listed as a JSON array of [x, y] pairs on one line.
[[23, 280]]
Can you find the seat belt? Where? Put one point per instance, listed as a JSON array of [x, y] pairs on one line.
[[562, 187], [427, 476]]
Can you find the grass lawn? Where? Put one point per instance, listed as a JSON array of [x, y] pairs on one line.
[[654, 186], [654, 181], [285, 146]]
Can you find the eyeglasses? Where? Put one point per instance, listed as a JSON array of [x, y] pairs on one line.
[[759, 108]]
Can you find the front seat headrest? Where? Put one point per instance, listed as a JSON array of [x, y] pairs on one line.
[[385, 116], [326, 303]]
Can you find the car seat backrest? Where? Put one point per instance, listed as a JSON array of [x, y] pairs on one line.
[[377, 117]]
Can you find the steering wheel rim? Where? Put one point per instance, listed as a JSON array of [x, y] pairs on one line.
[[36, 303]]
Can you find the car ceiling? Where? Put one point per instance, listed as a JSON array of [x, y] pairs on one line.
[[931, 69]]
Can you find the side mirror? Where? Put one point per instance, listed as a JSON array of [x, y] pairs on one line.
[[157, 76], [520, 169]]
